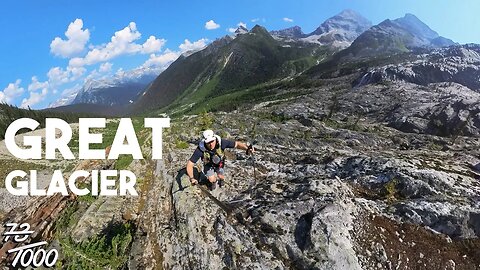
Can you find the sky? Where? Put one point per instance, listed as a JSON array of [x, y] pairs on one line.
[[48, 49]]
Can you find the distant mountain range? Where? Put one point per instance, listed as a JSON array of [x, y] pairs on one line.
[[400, 35], [122, 89], [110, 96], [226, 66], [338, 31], [231, 66]]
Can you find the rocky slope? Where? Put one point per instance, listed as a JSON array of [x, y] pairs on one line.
[[326, 194], [329, 189], [435, 93], [459, 64]]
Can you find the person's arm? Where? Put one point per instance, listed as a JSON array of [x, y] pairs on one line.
[[244, 146], [190, 164]]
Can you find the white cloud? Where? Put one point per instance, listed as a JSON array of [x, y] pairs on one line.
[[94, 74], [258, 20], [211, 25], [287, 19], [195, 46], [120, 72], [162, 60], [120, 44], [35, 85], [12, 91], [98, 74], [35, 98], [153, 45], [240, 24], [105, 67], [76, 72], [75, 42], [58, 76]]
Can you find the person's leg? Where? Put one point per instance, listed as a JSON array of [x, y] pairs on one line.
[[221, 176], [212, 179], [210, 174]]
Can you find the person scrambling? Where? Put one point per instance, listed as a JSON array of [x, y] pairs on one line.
[[211, 149]]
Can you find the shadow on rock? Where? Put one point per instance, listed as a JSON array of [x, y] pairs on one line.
[[200, 176], [303, 238], [119, 231]]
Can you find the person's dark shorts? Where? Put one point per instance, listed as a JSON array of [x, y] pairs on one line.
[[211, 170]]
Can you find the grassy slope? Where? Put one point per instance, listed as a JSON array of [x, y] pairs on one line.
[[226, 70], [257, 66]]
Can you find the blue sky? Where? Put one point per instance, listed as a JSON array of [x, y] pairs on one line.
[[40, 64]]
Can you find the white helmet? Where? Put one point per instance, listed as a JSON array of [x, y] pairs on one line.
[[208, 136]]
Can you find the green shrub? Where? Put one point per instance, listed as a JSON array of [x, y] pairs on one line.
[[391, 190], [205, 120], [181, 144], [123, 162], [109, 250]]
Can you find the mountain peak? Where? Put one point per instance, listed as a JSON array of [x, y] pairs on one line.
[[349, 13], [397, 36], [117, 89], [410, 16], [340, 30], [414, 25], [291, 32], [346, 20], [241, 30], [257, 29]]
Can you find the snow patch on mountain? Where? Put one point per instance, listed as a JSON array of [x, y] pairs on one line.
[[64, 100], [338, 31], [138, 75], [123, 85]]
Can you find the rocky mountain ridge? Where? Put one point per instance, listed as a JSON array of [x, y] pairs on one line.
[[395, 36], [215, 69], [459, 64], [227, 65], [121, 89], [338, 31]]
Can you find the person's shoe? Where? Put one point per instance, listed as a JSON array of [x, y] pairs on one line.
[[221, 182], [213, 186]]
